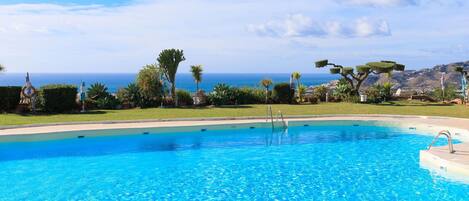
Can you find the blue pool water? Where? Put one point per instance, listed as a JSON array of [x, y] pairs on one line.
[[327, 162]]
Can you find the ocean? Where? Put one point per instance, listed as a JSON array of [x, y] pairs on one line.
[[114, 81]]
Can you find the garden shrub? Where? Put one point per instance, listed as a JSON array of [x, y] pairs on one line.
[[108, 102], [9, 97], [97, 91], [98, 97], [247, 95], [223, 94], [184, 98], [450, 93], [379, 93], [343, 91], [147, 102], [130, 95], [320, 92], [58, 97], [283, 93]]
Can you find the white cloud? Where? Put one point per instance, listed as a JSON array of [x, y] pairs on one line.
[[379, 2], [93, 38], [299, 25], [387, 3]]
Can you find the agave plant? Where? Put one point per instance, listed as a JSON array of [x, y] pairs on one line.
[[97, 91]]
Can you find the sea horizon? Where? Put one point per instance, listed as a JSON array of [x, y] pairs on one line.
[[184, 81]]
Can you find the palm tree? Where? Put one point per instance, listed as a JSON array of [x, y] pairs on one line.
[[266, 84], [169, 60], [196, 71], [297, 76]]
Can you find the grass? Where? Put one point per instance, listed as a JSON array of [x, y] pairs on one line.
[[402, 108]]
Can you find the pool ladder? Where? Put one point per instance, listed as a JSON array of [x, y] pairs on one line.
[[448, 136], [270, 116]]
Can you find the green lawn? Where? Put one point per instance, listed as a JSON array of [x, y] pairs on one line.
[[406, 108]]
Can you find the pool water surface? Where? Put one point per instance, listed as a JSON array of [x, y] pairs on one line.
[[320, 162]]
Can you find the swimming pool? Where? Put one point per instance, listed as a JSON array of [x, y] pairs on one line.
[[335, 160]]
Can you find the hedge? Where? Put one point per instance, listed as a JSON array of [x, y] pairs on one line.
[[283, 93], [9, 97], [59, 98], [184, 97]]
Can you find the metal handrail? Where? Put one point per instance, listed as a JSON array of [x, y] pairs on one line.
[[450, 140], [269, 113], [280, 117]]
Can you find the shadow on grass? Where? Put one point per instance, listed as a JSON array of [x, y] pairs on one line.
[[419, 104], [93, 112], [212, 107]]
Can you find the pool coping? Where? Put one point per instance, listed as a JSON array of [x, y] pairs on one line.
[[432, 160], [5, 127]]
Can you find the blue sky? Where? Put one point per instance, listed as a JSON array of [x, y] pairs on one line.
[[244, 36]]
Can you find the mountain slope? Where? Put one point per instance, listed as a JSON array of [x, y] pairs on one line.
[[422, 80]]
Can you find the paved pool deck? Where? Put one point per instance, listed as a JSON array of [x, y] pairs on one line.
[[438, 159]]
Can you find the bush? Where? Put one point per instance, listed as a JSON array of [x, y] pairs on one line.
[[97, 91], [108, 102], [343, 91], [58, 98], [320, 92], [223, 94], [311, 99], [450, 93], [283, 93], [9, 97], [147, 102], [247, 95], [149, 82], [379, 93], [184, 98], [130, 95]]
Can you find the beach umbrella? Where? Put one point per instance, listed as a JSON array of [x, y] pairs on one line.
[[291, 82], [82, 96]]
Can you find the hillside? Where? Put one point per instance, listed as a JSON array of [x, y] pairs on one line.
[[421, 80]]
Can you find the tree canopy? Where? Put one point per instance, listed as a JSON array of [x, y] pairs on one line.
[[168, 61], [196, 71], [355, 77], [149, 82]]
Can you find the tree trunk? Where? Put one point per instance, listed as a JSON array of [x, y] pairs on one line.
[[173, 93], [197, 87], [359, 83], [266, 95]]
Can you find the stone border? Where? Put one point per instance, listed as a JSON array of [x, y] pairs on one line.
[[223, 118]]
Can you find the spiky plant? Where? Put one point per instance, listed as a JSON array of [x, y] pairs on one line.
[[97, 91]]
